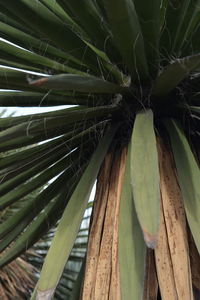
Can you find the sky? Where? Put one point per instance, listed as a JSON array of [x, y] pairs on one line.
[[20, 111]]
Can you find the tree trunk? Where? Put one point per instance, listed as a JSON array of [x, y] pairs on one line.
[[172, 252], [168, 266], [101, 280]]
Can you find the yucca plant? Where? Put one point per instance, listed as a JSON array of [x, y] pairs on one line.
[[131, 68]]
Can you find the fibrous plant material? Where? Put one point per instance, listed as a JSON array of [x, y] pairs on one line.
[[174, 274], [17, 279], [151, 280], [102, 268]]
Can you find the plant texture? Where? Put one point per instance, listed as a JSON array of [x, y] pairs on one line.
[[129, 69]]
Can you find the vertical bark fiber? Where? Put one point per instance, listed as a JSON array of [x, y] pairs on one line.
[[195, 266], [151, 281], [101, 280], [172, 252]]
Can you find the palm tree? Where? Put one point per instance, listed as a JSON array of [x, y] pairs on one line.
[[130, 70]]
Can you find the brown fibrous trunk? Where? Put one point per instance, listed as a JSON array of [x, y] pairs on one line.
[[101, 280]]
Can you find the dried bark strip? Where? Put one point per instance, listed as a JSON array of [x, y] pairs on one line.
[[105, 278], [164, 264], [151, 281], [115, 293], [195, 262], [175, 222], [98, 216], [102, 273]]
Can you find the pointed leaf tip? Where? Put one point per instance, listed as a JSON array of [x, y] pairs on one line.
[[150, 240], [38, 82], [80, 83], [45, 295]]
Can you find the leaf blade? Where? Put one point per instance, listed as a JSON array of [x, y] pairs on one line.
[[145, 176], [87, 84], [127, 34], [131, 253], [50, 275], [177, 70]]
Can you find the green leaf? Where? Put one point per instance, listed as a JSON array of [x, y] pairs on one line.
[[194, 108], [28, 41], [178, 70], [34, 131], [39, 19], [188, 177], [18, 173], [34, 206], [149, 17], [16, 224], [86, 84], [18, 98], [114, 74], [41, 150], [38, 167], [127, 34], [43, 177], [9, 61], [132, 249], [9, 20], [63, 14], [188, 25], [43, 222], [16, 137], [86, 15], [194, 44], [75, 295], [11, 78], [28, 58], [31, 235], [12, 121], [70, 222], [181, 19], [145, 176]]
